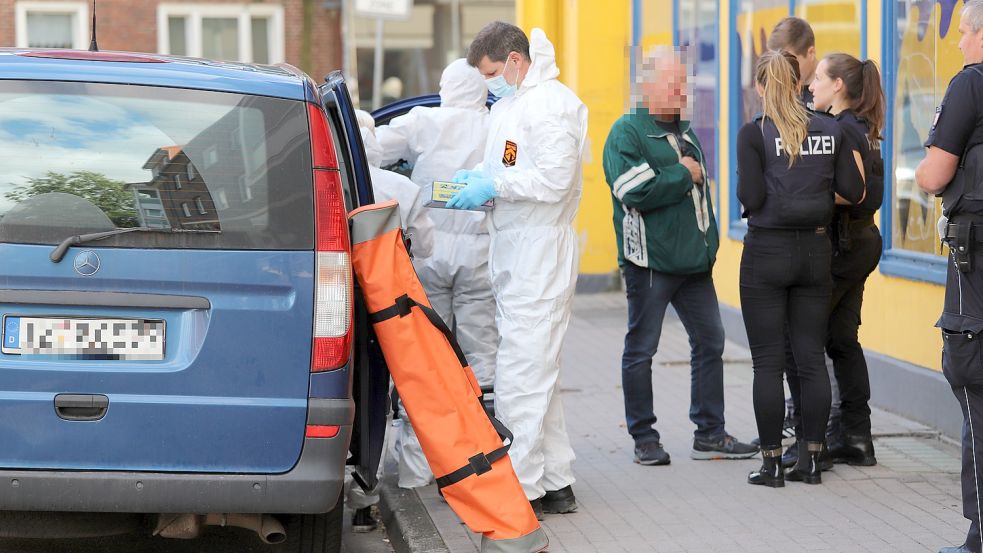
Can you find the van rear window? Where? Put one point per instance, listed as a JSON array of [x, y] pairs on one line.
[[220, 170]]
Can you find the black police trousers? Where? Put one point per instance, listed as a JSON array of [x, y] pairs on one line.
[[785, 278], [962, 364], [850, 271]]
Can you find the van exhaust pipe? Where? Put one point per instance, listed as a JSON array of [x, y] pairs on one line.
[[188, 526]]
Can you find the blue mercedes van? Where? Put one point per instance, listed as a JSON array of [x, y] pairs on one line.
[[183, 342]]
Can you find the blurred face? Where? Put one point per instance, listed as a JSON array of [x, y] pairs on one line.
[[665, 88], [807, 64], [971, 43], [825, 91]]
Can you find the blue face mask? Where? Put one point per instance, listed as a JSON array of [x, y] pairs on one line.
[[499, 86]]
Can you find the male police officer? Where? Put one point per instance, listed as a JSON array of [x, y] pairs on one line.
[[952, 168]]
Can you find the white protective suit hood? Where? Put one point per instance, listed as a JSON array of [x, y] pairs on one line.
[[542, 56], [462, 86]]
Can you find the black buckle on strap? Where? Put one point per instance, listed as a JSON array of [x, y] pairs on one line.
[[400, 308], [403, 305], [480, 464]]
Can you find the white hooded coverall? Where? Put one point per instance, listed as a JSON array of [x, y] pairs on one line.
[[439, 141], [534, 259]]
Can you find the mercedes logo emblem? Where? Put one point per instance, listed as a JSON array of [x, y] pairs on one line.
[[87, 263]]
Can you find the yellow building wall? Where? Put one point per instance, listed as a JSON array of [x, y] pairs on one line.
[[591, 40]]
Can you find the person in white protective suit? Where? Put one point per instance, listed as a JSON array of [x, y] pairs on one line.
[[387, 185], [419, 230], [439, 141], [532, 169]]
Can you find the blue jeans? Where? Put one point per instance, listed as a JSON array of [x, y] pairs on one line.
[[695, 301]]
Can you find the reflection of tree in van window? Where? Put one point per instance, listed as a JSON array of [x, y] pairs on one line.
[[111, 196]]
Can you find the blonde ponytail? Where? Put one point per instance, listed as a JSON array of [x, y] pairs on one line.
[[778, 73]]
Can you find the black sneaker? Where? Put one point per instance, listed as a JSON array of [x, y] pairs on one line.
[[363, 521], [560, 502], [537, 507], [651, 453], [725, 447]]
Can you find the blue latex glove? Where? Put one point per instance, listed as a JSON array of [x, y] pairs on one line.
[[461, 176], [479, 190]]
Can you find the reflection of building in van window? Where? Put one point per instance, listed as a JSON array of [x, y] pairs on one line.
[[221, 170], [150, 210], [172, 199]]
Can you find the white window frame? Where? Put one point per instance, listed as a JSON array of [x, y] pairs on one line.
[[79, 9], [242, 12]]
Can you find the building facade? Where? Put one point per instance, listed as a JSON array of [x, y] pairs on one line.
[[303, 33], [915, 44]]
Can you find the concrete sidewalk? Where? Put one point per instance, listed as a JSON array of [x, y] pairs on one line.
[[909, 502]]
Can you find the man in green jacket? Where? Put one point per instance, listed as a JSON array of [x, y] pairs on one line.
[[667, 244]]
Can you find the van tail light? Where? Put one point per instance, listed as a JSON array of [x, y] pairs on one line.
[[333, 279]]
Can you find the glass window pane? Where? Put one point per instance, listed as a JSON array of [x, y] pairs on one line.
[[86, 157], [177, 34], [925, 63], [836, 24], [220, 38], [697, 34], [755, 20], [261, 40], [50, 30]]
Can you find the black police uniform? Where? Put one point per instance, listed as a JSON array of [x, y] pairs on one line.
[[857, 248], [958, 129], [785, 267], [807, 99]]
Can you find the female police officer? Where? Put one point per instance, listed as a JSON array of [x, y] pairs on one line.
[[850, 90], [790, 162]]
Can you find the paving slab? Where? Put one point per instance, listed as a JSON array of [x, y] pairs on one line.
[[908, 502]]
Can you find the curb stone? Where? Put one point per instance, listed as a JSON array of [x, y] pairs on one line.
[[408, 524]]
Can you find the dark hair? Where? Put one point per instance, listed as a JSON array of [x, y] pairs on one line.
[[793, 34], [496, 40], [862, 81]]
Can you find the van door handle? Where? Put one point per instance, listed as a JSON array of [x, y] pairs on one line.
[[81, 407]]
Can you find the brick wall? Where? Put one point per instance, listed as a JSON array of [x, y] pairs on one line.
[[6, 23], [131, 25]]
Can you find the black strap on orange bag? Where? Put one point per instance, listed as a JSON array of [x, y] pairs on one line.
[[480, 463]]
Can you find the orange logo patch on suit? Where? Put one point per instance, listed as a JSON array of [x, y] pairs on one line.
[[511, 154]]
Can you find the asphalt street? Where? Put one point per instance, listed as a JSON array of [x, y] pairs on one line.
[[213, 540]]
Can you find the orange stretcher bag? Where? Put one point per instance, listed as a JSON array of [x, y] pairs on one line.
[[463, 444]]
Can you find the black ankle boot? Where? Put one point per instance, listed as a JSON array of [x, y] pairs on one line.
[[791, 455], [855, 449], [809, 467], [770, 474]]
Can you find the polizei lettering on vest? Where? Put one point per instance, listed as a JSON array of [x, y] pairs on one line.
[[813, 145]]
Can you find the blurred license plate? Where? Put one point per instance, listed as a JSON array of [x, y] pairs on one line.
[[113, 339]]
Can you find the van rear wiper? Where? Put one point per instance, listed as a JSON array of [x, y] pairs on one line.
[[62, 248]]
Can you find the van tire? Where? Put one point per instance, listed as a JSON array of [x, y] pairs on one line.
[[313, 533]]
